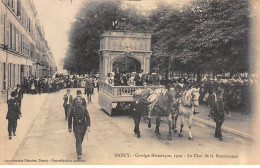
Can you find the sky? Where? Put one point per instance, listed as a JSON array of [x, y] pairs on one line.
[[56, 17]]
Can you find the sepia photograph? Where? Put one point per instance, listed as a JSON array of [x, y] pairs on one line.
[[129, 82]]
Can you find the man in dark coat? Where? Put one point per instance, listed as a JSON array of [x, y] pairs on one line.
[[139, 78], [81, 121], [88, 88], [67, 103], [13, 114], [124, 79], [117, 81], [137, 107], [218, 110], [19, 92]]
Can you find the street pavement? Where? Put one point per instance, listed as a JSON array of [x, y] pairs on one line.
[[43, 138], [237, 123]]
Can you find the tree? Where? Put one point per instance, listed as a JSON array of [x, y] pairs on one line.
[[94, 18], [207, 35]]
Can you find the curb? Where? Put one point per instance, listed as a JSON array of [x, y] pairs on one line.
[[226, 129]]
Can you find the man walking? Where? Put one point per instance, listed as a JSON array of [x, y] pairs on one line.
[[81, 121], [218, 110], [13, 114], [67, 103], [89, 88], [19, 92], [137, 108]]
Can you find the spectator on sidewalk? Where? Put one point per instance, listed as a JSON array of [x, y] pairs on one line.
[[211, 100], [13, 114], [19, 92]]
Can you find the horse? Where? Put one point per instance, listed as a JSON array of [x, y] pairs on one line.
[[190, 100], [162, 105]]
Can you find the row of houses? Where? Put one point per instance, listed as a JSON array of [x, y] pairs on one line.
[[24, 51]]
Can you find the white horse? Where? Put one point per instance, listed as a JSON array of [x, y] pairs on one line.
[[187, 107]]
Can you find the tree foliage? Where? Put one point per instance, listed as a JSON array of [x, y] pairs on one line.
[[94, 18], [205, 35]]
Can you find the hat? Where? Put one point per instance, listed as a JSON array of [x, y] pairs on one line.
[[79, 92], [13, 94]]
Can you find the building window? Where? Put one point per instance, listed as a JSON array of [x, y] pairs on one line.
[[4, 76], [29, 25], [14, 38], [10, 75], [13, 76], [17, 40], [19, 8], [21, 43], [10, 35], [2, 28], [7, 34]]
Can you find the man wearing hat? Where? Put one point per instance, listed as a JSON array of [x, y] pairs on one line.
[[67, 103], [218, 110], [13, 114], [137, 107], [139, 78], [89, 88], [81, 121], [19, 92]]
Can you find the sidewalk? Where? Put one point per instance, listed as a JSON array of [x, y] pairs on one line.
[[31, 105], [237, 124]]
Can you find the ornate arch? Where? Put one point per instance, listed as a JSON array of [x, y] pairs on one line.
[[131, 56], [124, 56]]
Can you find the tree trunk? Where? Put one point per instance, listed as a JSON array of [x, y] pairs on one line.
[[198, 76]]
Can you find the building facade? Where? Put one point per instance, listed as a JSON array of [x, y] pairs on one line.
[[24, 51]]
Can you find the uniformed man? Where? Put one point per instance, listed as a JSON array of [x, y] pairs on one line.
[[81, 121], [13, 114], [218, 110], [67, 103]]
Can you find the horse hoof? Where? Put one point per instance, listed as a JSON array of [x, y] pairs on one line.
[[175, 131], [180, 135], [169, 137], [158, 135], [190, 138], [149, 125]]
